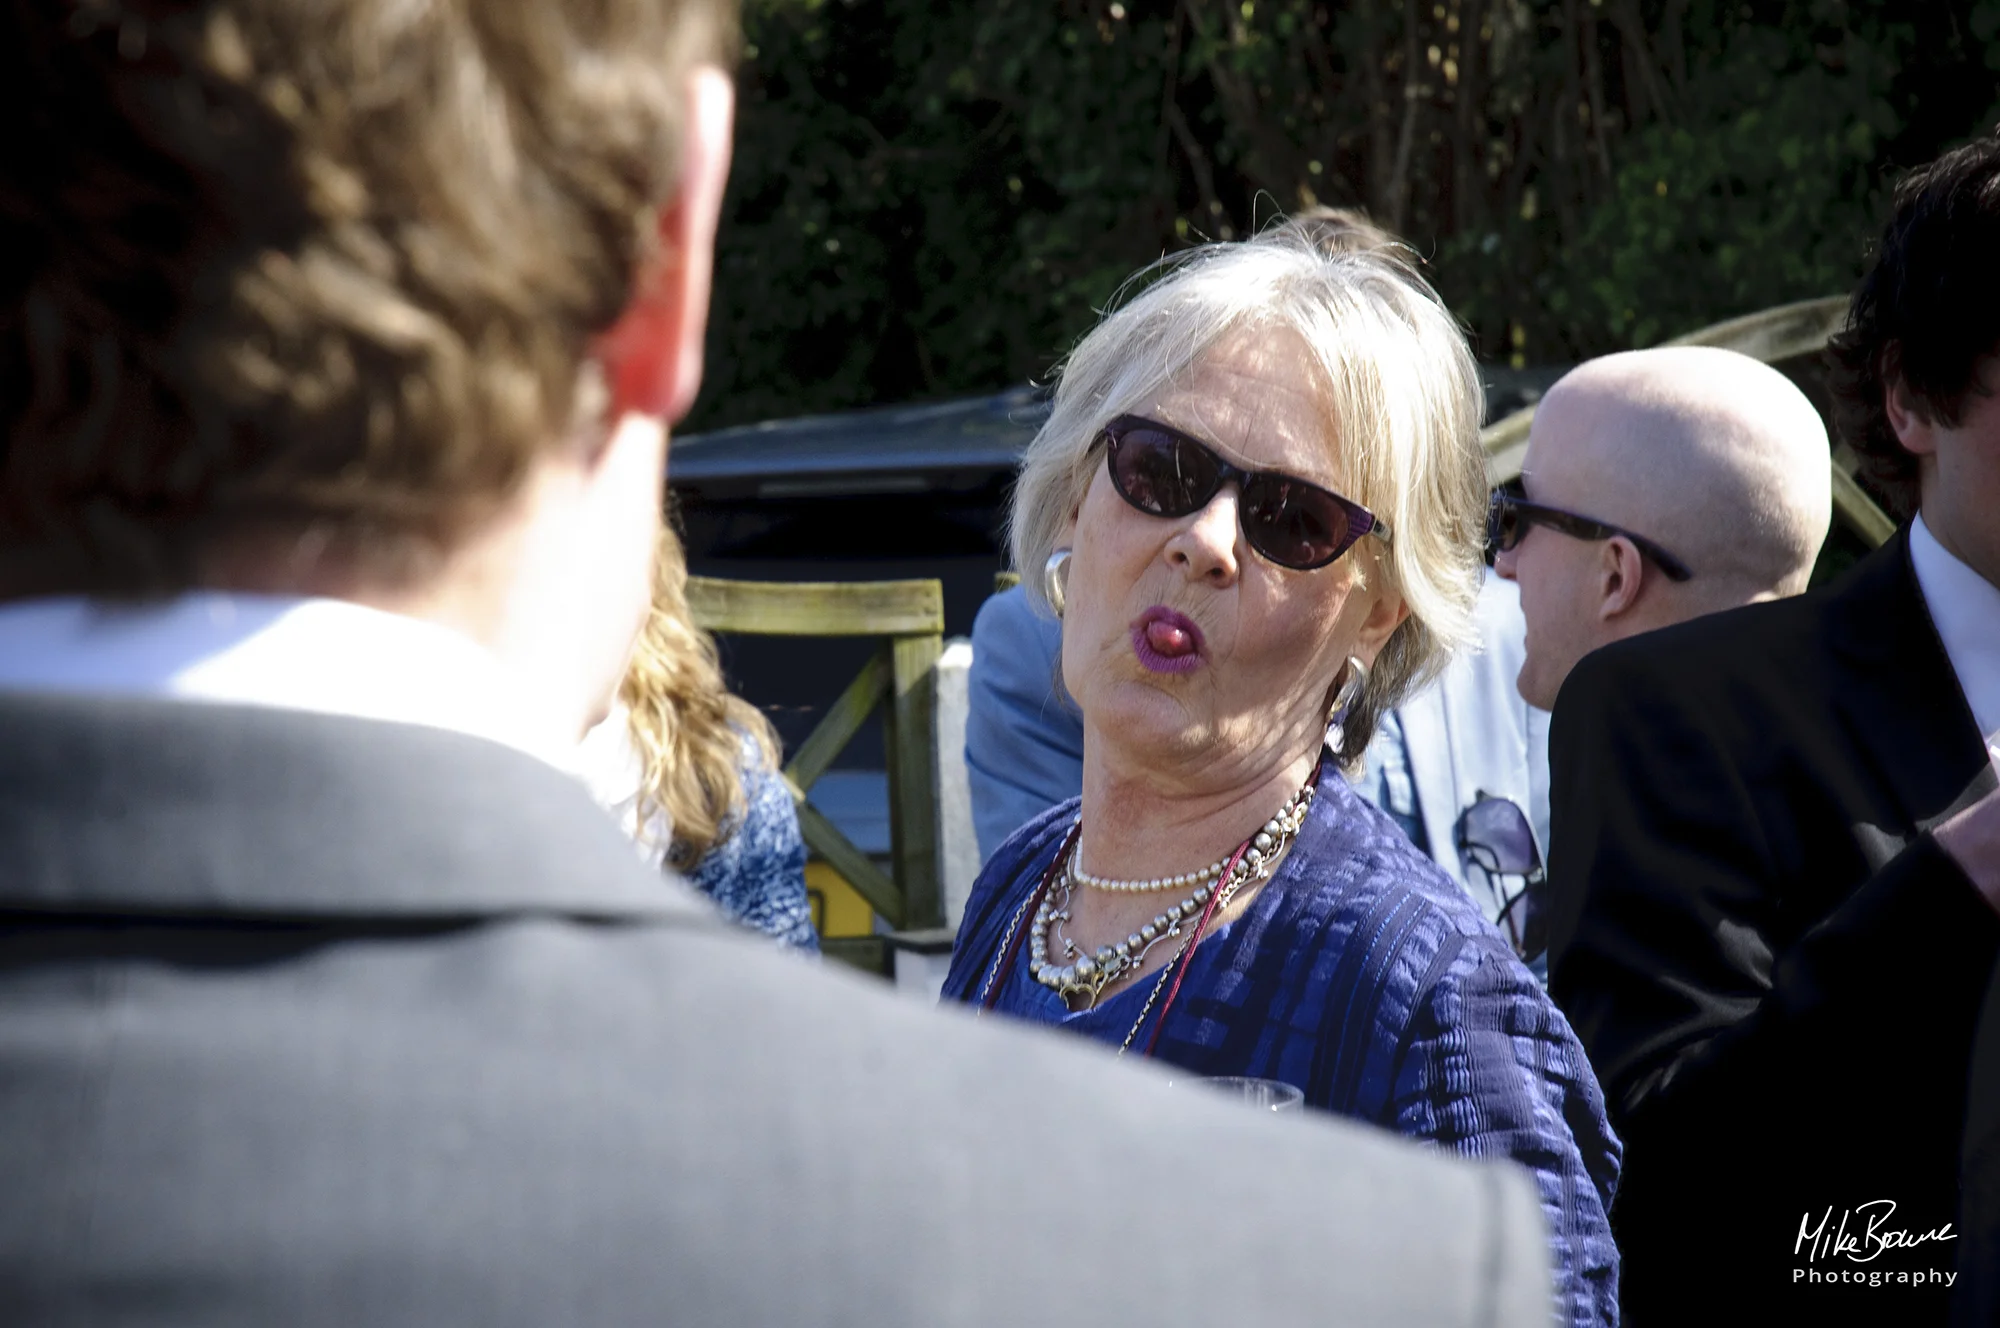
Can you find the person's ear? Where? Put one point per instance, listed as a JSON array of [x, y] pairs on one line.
[[1385, 615], [653, 355], [1909, 419], [1621, 571]]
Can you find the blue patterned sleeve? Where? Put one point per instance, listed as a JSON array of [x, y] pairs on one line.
[[1491, 1069], [756, 873]]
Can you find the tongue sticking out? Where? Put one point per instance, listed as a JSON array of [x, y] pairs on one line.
[[1169, 640]]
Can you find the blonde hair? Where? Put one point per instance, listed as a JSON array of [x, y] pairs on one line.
[[380, 240], [1401, 395], [688, 730]]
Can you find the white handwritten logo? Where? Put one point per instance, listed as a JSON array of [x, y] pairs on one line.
[[1860, 1233]]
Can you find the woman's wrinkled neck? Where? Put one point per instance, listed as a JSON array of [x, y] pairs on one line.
[[1147, 817]]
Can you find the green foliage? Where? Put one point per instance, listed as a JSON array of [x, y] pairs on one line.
[[933, 198], [926, 199], [1767, 189]]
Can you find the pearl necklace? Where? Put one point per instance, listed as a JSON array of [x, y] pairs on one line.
[[1261, 841], [1081, 877], [1083, 980]]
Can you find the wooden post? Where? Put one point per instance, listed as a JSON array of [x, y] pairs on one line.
[[909, 745], [900, 678]]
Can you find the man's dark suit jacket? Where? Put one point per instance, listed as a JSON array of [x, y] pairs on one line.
[[308, 1020], [1775, 969], [1976, 1298]]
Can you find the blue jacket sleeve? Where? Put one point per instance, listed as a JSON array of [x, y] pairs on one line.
[[1023, 736], [1492, 1069]]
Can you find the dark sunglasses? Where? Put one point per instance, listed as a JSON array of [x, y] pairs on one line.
[[1510, 515], [1494, 836], [1164, 472]]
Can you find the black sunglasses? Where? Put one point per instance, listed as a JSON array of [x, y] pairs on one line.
[[1494, 836], [1509, 516], [1164, 472]]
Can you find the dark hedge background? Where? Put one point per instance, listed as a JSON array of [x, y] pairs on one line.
[[933, 197]]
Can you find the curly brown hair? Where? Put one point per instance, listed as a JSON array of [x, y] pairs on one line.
[[688, 729], [323, 272], [1926, 315]]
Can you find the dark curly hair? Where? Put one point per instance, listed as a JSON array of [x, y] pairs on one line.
[[1926, 314]]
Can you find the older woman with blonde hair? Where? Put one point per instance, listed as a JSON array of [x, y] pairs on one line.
[[691, 769], [1256, 506]]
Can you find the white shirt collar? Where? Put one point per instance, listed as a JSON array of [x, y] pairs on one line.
[[322, 655], [1966, 608]]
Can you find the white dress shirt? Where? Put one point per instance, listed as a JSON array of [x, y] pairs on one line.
[[1966, 608], [322, 655], [609, 766]]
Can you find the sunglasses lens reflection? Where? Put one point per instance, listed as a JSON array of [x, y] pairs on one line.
[[1161, 475], [1495, 837], [1291, 524], [1502, 828]]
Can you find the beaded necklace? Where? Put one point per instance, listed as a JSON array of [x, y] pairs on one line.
[[1082, 980], [1251, 862], [1206, 874]]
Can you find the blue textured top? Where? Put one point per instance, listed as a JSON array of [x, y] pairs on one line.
[[1365, 977], [756, 872]]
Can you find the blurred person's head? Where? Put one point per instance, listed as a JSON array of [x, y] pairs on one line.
[[1658, 486], [691, 735], [1916, 371], [1334, 364], [381, 301]]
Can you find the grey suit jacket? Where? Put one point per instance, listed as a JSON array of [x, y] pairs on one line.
[[307, 1020]]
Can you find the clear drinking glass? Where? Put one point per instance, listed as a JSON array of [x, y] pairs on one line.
[[1264, 1094]]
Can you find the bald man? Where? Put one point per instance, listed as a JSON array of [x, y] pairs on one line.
[[1658, 486]]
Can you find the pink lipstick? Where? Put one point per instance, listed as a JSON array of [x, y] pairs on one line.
[[1166, 641]]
